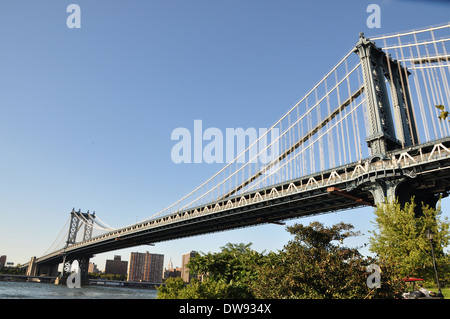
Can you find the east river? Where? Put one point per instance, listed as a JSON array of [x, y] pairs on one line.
[[34, 290]]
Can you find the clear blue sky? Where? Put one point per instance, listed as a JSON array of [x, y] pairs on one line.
[[86, 115]]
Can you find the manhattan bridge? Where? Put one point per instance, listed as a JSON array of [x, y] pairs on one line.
[[368, 131]]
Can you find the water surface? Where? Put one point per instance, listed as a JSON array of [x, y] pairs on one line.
[[34, 290]]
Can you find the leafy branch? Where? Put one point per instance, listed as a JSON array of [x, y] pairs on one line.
[[444, 114]]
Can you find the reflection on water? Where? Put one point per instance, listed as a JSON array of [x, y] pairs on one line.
[[33, 290]]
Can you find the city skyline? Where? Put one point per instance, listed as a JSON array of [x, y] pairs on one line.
[[87, 114], [112, 264]]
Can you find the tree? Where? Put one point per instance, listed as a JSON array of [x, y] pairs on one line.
[[400, 238], [316, 264], [171, 289], [235, 262], [227, 274], [312, 266], [176, 288]]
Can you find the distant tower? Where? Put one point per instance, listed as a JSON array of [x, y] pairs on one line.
[[185, 274]]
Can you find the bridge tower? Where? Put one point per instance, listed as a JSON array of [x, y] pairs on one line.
[[78, 220], [87, 220], [384, 134], [387, 132]]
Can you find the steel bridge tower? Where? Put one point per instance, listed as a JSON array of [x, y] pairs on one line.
[[78, 220], [385, 131]]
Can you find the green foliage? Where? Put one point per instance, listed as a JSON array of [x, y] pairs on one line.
[[445, 291], [400, 239], [172, 289], [227, 275], [444, 114], [176, 288], [107, 276], [317, 265], [235, 262], [11, 271]]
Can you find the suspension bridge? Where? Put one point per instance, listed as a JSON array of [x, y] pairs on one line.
[[367, 131]]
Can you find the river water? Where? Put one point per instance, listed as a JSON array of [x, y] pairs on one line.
[[34, 290]]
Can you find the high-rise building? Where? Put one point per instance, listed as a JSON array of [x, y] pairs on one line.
[[185, 274], [154, 267], [171, 272], [145, 267], [116, 266], [92, 268], [3, 261], [136, 267]]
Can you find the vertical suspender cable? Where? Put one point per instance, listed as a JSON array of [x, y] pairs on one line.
[[426, 89]]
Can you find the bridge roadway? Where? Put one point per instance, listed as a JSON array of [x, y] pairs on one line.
[[424, 168]]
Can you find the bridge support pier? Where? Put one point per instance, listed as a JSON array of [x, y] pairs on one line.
[[83, 265], [406, 191], [401, 189], [383, 190], [32, 267]]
